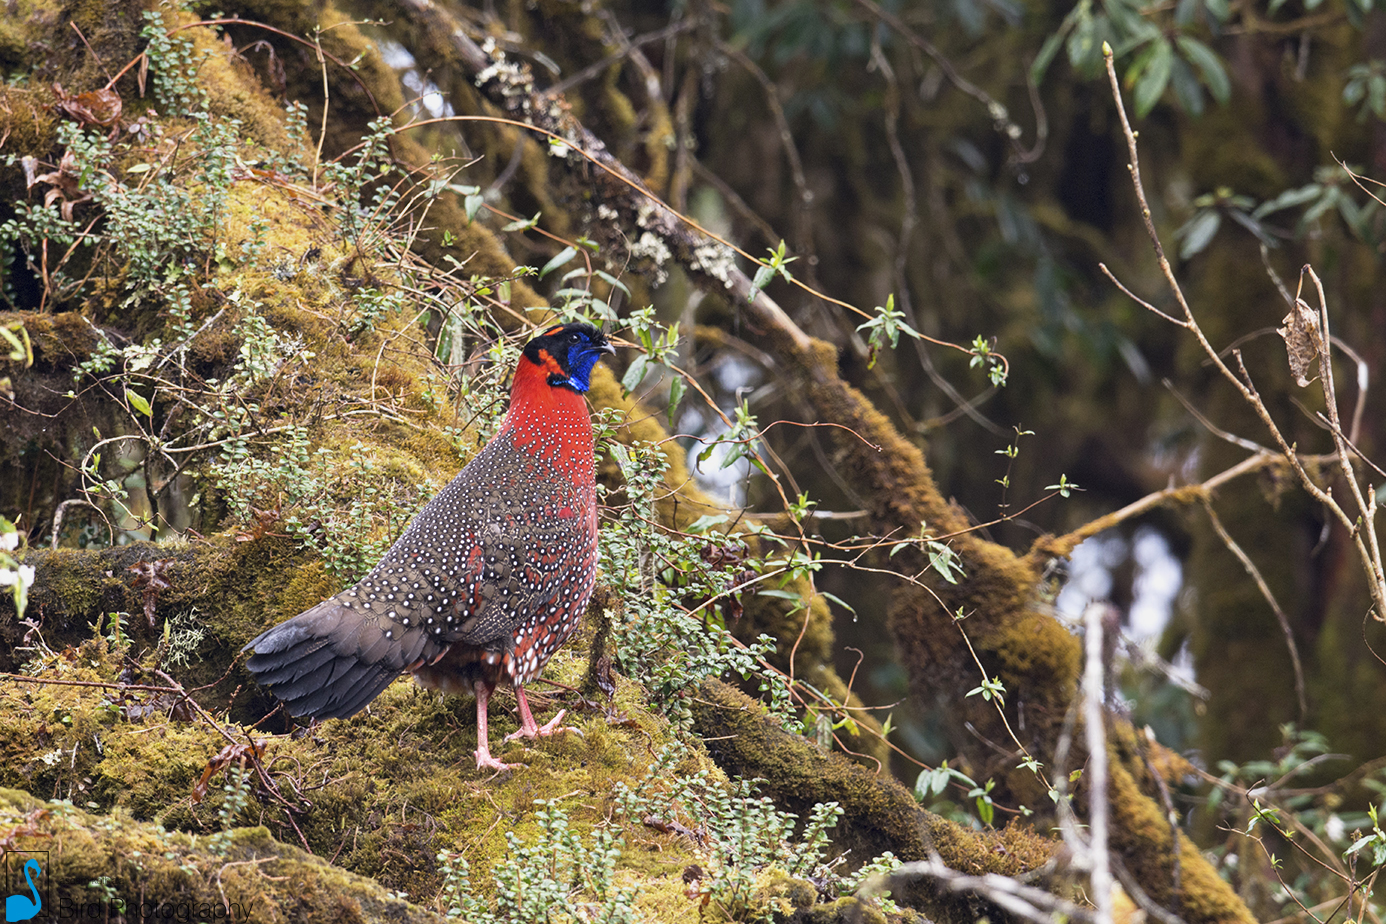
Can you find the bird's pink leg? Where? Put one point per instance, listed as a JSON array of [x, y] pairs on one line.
[[483, 741], [531, 729]]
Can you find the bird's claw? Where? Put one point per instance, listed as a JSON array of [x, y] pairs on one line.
[[540, 731], [484, 760]]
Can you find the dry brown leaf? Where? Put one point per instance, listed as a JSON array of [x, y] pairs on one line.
[[95, 107], [252, 750], [66, 183], [1303, 342]]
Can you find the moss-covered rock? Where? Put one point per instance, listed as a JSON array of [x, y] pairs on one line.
[[116, 867]]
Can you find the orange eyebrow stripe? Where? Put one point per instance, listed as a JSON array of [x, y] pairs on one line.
[[553, 330], [550, 365]]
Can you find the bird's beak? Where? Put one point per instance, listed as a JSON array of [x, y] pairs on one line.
[[607, 348]]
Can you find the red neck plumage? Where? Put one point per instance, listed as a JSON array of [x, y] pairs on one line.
[[550, 422]]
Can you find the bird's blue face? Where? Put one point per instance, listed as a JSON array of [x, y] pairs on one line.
[[569, 352]]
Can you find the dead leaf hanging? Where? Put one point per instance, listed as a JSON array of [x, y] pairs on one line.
[[1303, 342]]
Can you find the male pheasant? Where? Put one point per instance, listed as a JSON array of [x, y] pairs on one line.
[[487, 581]]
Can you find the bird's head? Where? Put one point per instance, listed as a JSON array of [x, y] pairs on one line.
[[567, 353]]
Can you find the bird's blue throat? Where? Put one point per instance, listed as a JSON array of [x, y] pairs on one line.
[[580, 363]]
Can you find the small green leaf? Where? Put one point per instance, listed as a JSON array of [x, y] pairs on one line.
[[762, 279], [522, 224], [1187, 90], [1288, 199], [1376, 95], [472, 204], [612, 281], [1153, 79], [839, 601], [1198, 232], [559, 259], [705, 522], [944, 561], [1209, 65], [138, 403], [636, 373], [1318, 209], [1082, 45], [677, 387]]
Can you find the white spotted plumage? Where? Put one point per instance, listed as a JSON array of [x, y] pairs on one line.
[[489, 579]]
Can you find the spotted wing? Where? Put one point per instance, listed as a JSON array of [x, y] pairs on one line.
[[489, 551]]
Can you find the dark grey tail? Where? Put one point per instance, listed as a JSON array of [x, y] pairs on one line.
[[329, 662]]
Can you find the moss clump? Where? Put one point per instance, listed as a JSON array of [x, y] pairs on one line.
[[1142, 834], [879, 813], [113, 865]]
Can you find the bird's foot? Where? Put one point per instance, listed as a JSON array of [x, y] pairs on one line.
[[532, 729], [484, 760]]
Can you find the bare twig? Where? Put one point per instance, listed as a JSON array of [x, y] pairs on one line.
[[1360, 527], [908, 221], [624, 51], [995, 110], [1261, 584], [1217, 431], [1063, 545], [1094, 730], [1027, 902]]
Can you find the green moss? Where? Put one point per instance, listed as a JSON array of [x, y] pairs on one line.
[[1141, 833], [31, 124], [171, 874], [879, 813]]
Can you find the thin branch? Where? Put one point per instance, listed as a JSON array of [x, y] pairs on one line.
[[1028, 902], [1261, 584], [1094, 730], [995, 110], [908, 221], [1368, 548], [1063, 545], [628, 46], [1138, 300], [1220, 433], [803, 197]]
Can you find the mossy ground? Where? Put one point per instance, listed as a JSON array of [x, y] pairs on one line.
[[379, 795], [115, 867]]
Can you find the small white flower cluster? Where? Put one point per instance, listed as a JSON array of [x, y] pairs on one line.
[[21, 574], [717, 260], [650, 247], [512, 79], [12, 573]]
